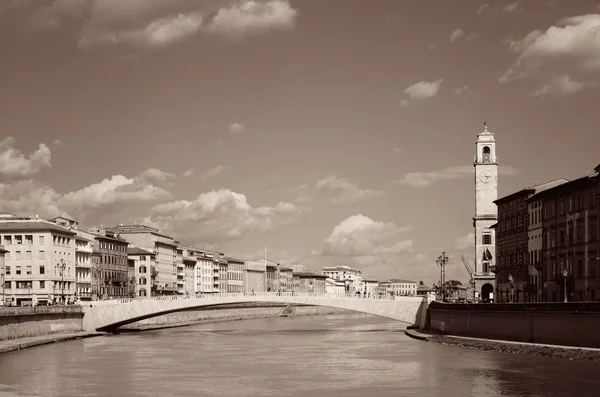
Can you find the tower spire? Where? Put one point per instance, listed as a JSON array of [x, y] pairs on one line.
[[485, 123]]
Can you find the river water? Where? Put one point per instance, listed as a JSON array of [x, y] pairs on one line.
[[329, 356]]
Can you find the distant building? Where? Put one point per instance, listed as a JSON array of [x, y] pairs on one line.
[[223, 275], [370, 287], [143, 271], [335, 287], [235, 274], [400, 287], [83, 267], [286, 278], [352, 278], [39, 261], [164, 248], [310, 282], [255, 279], [189, 263], [3, 282]]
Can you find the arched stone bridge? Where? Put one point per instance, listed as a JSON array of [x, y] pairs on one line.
[[109, 315]]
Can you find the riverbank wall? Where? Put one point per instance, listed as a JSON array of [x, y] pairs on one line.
[[231, 313], [568, 324], [27, 322]]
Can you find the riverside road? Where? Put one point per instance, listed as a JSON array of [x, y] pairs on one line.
[[334, 356]]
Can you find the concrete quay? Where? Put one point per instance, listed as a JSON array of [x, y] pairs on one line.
[[23, 343]]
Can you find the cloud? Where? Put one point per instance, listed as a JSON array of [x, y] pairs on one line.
[[563, 59], [511, 7], [425, 179], [219, 215], [482, 8], [188, 173], [461, 90], [456, 34], [157, 23], [360, 236], [15, 165], [343, 191], [58, 143], [253, 17], [421, 91], [29, 197], [213, 172], [472, 36], [237, 128], [397, 150], [465, 242]]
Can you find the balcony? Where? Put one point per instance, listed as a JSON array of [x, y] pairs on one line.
[[484, 275], [180, 265], [180, 282], [180, 274], [86, 265]]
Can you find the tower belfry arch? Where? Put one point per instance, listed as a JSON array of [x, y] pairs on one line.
[[485, 165]]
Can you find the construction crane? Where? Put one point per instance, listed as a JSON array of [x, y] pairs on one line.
[[469, 269]]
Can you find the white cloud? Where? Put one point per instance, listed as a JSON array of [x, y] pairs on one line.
[[359, 235], [482, 8], [213, 172], [218, 215], [461, 90], [472, 36], [425, 179], [188, 173], [253, 17], [237, 128], [153, 175], [456, 34], [421, 91], [156, 23], [465, 242], [511, 7], [563, 59], [15, 165], [343, 191], [58, 143]]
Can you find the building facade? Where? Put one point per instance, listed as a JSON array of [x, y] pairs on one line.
[[189, 263], [352, 278], [165, 251], [335, 287], [570, 231], [255, 276], [39, 263], [400, 287], [309, 282], [83, 268], [370, 287], [3, 282], [235, 275], [142, 271], [223, 275], [110, 267], [486, 214]]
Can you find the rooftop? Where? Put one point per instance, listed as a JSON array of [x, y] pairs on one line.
[[32, 225], [231, 259], [134, 251], [309, 275]]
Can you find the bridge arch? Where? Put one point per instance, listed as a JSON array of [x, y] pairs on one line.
[[110, 315]]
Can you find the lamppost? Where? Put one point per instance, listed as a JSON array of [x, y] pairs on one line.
[[565, 273], [442, 261], [61, 266], [510, 281]]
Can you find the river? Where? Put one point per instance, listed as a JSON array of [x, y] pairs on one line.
[[329, 356]]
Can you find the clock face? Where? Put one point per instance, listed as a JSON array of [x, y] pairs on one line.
[[486, 176]]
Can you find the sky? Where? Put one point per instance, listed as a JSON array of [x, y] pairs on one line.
[[333, 132]]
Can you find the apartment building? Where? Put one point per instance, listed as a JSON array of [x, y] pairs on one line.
[[142, 271], [352, 278], [400, 287], [370, 287], [309, 282], [180, 266], [235, 274], [223, 276], [334, 287], [570, 246], [164, 248], [286, 278], [83, 268], [39, 261], [189, 263], [518, 277], [2, 281], [255, 276]]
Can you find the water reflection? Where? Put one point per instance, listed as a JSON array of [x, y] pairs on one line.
[[302, 356]]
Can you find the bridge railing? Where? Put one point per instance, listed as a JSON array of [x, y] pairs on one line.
[[240, 295]]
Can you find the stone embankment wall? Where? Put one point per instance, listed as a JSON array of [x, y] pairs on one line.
[[238, 312], [24, 322], [569, 324]]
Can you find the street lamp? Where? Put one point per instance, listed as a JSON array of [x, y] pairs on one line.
[[61, 266], [442, 261], [510, 281], [565, 273]]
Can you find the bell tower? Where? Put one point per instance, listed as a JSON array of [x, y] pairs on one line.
[[486, 213]]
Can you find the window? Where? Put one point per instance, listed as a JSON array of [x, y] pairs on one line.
[[570, 204], [485, 154], [18, 255], [487, 239], [580, 269], [28, 270], [580, 202], [8, 240], [41, 240], [18, 270], [42, 284], [561, 207], [18, 240], [7, 270], [27, 255], [42, 269], [592, 229], [28, 239], [41, 255]]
